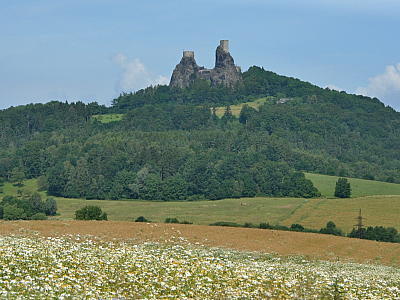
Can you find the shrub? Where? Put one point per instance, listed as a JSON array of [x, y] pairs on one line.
[[228, 224], [13, 212], [141, 219], [266, 226], [296, 227], [90, 212], [186, 222], [171, 220], [39, 216]]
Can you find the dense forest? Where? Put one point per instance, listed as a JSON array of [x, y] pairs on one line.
[[170, 145]]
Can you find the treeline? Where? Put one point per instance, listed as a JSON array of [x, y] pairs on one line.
[[30, 207], [329, 229], [377, 233]]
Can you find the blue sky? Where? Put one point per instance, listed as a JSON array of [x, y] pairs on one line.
[[91, 50]]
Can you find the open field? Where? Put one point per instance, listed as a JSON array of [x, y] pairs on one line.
[[235, 109], [377, 211], [359, 187], [316, 246], [253, 210], [311, 213], [29, 186]]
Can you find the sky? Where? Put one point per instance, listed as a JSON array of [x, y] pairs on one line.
[[92, 50]]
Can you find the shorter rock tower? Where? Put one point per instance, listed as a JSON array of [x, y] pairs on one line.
[[224, 73]]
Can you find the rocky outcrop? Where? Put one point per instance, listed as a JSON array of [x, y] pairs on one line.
[[224, 73], [185, 72]]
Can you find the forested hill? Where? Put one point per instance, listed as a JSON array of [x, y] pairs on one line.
[[170, 145]]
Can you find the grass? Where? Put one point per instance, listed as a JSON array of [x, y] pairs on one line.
[[377, 211], [311, 213], [254, 210], [235, 109], [359, 187], [29, 186], [108, 118]]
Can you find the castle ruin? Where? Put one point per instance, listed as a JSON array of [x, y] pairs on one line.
[[224, 73]]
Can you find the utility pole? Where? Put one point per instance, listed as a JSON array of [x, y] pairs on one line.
[[359, 225]]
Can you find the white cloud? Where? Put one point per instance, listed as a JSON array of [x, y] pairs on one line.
[[162, 80], [384, 84], [134, 75], [334, 87]]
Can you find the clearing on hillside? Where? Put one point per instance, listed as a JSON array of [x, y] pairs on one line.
[[359, 187], [235, 109]]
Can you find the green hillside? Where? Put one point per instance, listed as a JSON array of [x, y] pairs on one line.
[[169, 145], [360, 187]]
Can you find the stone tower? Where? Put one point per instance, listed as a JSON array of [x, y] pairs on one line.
[[188, 54], [224, 73], [224, 45]]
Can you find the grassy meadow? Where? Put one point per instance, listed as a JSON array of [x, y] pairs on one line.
[[108, 118], [359, 187], [253, 210], [377, 211], [235, 109]]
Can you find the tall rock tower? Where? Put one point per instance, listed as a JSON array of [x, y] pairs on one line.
[[224, 73]]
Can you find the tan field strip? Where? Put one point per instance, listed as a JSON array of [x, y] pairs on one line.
[[318, 246]]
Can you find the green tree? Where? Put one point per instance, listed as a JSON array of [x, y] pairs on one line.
[[17, 177], [342, 189], [152, 184], [13, 212], [141, 219], [174, 188], [90, 212], [36, 203], [50, 206], [331, 229]]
